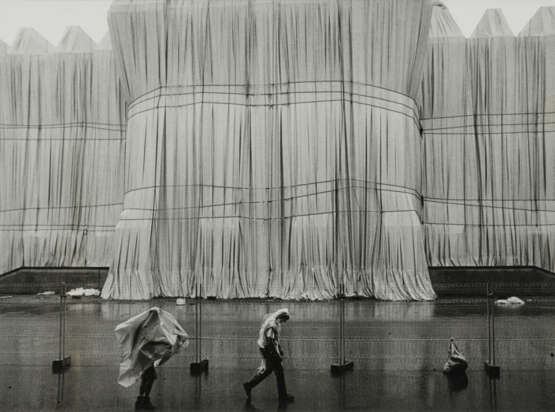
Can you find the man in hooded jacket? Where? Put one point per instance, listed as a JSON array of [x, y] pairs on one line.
[[270, 349]]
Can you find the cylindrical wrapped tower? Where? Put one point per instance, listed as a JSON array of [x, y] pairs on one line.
[[273, 148]]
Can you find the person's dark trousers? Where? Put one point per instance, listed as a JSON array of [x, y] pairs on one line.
[[273, 364], [147, 380]]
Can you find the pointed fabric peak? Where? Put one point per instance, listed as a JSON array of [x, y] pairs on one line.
[[443, 24], [542, 23], [493, 24], [75, 40], [105, 43], [3, 47], [30, 41]]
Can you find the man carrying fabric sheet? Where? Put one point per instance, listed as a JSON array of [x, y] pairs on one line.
[[147, 341]]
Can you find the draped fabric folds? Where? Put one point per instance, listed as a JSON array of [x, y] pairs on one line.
[[282, 148], [273, 149], [61, 153], [489, 145]]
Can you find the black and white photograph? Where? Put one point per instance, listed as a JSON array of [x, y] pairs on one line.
[[277, 205]]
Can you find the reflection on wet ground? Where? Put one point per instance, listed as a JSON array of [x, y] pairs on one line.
[[398, 350]]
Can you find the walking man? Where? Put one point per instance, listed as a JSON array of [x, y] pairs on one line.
[[268, 344]]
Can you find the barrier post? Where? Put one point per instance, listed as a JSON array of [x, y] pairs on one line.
[[342, 365], [490, 367], [200, 365], [60, 365]]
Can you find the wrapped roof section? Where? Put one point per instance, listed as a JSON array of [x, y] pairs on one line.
[[30, 41], [492, 24], [443, 25], [75, 40], [541, 24]]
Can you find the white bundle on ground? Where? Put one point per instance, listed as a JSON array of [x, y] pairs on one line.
[[273, 149], [61, 152], [78, 292], [513, 300], [148, 339]]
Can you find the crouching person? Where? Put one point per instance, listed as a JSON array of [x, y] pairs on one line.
[[147, 341], [268, 344]]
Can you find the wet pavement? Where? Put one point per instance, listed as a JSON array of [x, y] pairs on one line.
[[398, 349]]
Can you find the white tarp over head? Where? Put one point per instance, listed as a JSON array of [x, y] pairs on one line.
[[147, 340]]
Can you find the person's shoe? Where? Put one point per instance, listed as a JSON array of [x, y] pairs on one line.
[[148, 404], [287, 398], [143, 403], [247, 389]]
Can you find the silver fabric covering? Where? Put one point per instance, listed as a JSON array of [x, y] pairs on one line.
[[294, 149], [273, 149]]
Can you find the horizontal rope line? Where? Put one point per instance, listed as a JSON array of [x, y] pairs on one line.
[[267, 218], [317, 182], [482, 133], [58, 229], [61, 139], [489, 199], [358, 338], [62, 125], [491, 224], [499, 284], [60, 207], [118, 130], [247, 202], [355, 338], [491, 206], [49, 225], [264, 202], [415, 120], [454, 116], [268, 95], [273, 84], [472, 125]]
